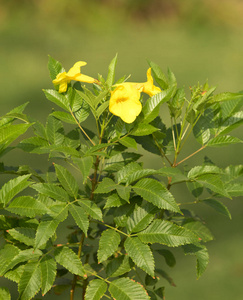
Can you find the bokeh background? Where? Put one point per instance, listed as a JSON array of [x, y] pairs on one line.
[[198, 39]]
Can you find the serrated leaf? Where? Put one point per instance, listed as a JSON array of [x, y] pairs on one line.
[[201, 170], [107, 185], [218, 206], [95, 289], [167, 233], [141, 217], [21, 256], [127, 171], [67, 180], [9, 133], [230, 123], [84, 164], [57, 98], [124, 192], [114, 200], [143, 129], [6, 255], [199, 229], [128, 142], [141, 254], [91, 209], [48, 225], [213, 182], [235, 189], [127, 289], [108, 244], [69, 260], [33, 144], [111, 71], [222, 141], [169, 257], [54, 130], [225, 97], [4, 294], [27, 206], [63, 116], [52, 190], [156, 193], [30, 283], [54, 67], [159, 75], [80, 217], [15, 274], [201, 254], [23, 235], [13, 187], [48, 268], [119, 266]]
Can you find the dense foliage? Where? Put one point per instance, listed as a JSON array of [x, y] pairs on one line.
[[123, 217]]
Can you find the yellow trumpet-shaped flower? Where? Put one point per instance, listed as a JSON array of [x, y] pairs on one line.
[[149, 87], [124, 101], [73, 74]]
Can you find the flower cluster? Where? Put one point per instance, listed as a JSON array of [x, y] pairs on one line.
[[125, 98]]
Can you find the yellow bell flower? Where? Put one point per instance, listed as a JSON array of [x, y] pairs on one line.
[[149, 87], [124, 101], [73, 74]]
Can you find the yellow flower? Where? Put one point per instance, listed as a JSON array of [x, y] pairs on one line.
[[124, 101], [149, 87], [73, 74]]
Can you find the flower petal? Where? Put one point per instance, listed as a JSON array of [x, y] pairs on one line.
[[76, 68], [149, 87], [84, 78]]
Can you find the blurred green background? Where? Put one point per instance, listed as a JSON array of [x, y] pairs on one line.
[[198, 39]]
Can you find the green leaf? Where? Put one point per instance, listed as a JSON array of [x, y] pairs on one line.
[[13, 187], [156, 193], [27, 206], [69, 260], [127, 289], [15, 274], [80, 217], [105, 186], [159, 75], [20, 257], [230, 123], [225, 97], [30, 282], [151, 107], [102, 108], [119, 266], [4, 294], [7, 254], [127, 171], [235, 189], [91, 209], [167, 233], [114, 200], [201, 254], [48, 225], [201, 170], [218, 206], [143, 129], [48, 268], [95, 289], [9, 133], [23, 235], [52, 190], [201, 130], [67, 180], [214, 183], [169, 257], [108, 244], [111, 72], [198, 229], [124, 192], [54, 67], [63, 116], [165, 276], [141, 254], [33, 145], [128, 142], [54, 130], [84, 164], [57, 98], [225, 140], [141, 217]]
